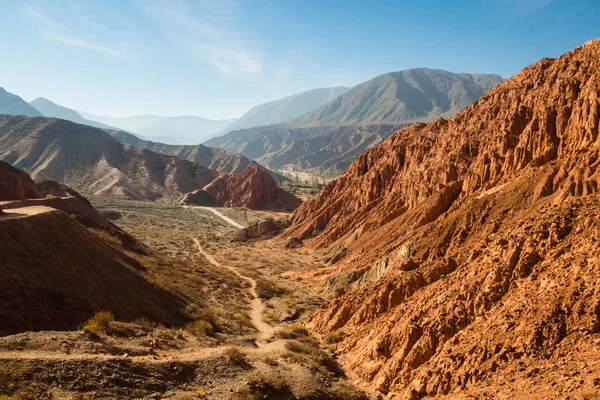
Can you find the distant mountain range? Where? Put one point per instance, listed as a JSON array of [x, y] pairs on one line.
[[414, 95], [90, 160], [12, 104], [330, 137], [50, 109], [209, 157], [287, 108], [186, 129], [326, 149]]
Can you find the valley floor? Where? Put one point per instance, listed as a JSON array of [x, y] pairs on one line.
[[247, 342]]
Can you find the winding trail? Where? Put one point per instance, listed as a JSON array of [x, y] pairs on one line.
[[265, 331], [220, 215]]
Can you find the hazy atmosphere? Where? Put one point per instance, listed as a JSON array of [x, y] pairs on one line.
[[300, 200], [217, 59]]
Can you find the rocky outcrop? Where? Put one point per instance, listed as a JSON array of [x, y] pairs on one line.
[[15, 184], [254, 188], [477, 240], [264, 229]]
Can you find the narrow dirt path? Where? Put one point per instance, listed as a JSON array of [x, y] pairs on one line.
[[220, 215], [265, 331]]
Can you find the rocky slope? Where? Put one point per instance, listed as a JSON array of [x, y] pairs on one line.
[[286, 109], [209, 157], [465, 252], [184, 129], [90, 160], [253, 188], [324, 149], [56, 272], [12, 104], [15, 184], [50, 109]]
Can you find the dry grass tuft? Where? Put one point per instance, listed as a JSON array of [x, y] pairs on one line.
[[99, 323], [334, 337], [200, 328]]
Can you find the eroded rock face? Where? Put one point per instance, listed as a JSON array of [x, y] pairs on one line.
[[498, 290], [253, 188], [15, 184]]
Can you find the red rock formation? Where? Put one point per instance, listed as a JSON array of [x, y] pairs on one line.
[[15, 184], [253, 188], [470, 246]]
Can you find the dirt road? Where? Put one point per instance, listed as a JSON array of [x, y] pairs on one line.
[[220, 215], [265, 331]]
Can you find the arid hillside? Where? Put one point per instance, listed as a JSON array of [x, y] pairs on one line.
[[464, 253], [89, 159], [324, 149], [209, 157], [58, 269]]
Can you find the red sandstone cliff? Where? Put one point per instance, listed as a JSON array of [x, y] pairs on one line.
[[469, 249]]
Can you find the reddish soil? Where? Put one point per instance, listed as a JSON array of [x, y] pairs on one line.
[[253, 188]]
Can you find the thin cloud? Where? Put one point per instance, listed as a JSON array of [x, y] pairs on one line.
[[49, 30], [525, 6], [204, 36]]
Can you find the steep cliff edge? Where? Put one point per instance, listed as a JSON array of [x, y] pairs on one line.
[[466, 250]]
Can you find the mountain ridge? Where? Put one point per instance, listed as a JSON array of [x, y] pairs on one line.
[[91, 160], [286, 108], [11, 104]]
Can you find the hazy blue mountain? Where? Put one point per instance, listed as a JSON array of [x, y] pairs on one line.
[[50, 109], [331, 136], [414, 95], [209, 157], [171, 130], [287, 108], [12, 104]]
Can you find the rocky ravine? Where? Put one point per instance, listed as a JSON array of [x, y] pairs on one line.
[[468, 248]]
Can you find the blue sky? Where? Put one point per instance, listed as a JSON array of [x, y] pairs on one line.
[[219, 58]]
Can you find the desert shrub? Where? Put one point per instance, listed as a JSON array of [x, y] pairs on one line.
[[236, 357], [144, 322], [267, 290], [299, 330], [298, 347], [345, 391], [334, 337], [200, 328], [283, 333], [265, 385], [99, 323], [271, 361], [311, 355], [207, 314]]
